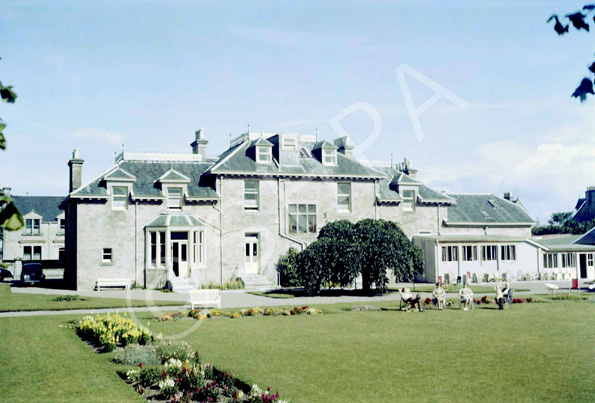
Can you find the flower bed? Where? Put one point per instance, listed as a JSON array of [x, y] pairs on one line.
[[109, 331], [171, 317], [296, 310], [193, 381]]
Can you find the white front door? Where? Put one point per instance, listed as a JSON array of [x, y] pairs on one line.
[[251, 247], [179, 258]]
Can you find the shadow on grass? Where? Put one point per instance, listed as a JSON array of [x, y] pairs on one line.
[[50, 284], [300, 292]]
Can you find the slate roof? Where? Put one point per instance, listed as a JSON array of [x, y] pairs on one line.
[[237, 161], [148, 173], [388, 192], [563, 243], [45, 206], [585, 212], [470, 238], [478, 208], [579, 203], [588, 238]]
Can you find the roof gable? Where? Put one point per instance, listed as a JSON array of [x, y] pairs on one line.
[[119, 174], [173, 176]]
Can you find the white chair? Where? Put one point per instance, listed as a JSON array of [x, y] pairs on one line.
[[552, 287], [205, 298]]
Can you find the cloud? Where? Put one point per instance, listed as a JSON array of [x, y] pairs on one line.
[[104, 137], [547, 177]]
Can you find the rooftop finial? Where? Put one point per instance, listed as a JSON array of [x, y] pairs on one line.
[[122, 147], [248, 127]]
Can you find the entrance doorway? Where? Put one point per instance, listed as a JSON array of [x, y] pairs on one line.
[[583, 265], [179, 253], [252, 261]]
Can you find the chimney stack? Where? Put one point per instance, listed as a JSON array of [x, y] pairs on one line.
[[6, 191], [590, 195], [344, 147], [507, 196], [199, 145], [76, 171]]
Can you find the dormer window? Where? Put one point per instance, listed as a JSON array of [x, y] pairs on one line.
[[408, 200], [119, 197], [174, 198], [32, 226], [264, 155], [329, 157], [289, 143]]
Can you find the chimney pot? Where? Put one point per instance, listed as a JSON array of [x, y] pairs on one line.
[[76, 171], [6, 190], [199, 145]]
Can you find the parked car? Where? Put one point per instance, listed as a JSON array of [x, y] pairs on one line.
[[32, 273], [5, 274]]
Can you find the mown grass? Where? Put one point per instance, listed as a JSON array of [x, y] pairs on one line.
[[42, 362], [529, 353], [12, 301]]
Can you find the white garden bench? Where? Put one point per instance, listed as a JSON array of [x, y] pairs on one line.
[[205, 298], [113, 282], [552, 287]]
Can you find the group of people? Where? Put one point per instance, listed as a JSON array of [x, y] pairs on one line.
[[465, 294]]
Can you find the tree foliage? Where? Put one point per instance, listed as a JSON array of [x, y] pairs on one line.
[[287, 268], [580, 21], [345, 250], [562, 223], [10, 218], [383, 246]]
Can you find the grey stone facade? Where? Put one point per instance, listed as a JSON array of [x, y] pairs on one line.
[[187, 220]]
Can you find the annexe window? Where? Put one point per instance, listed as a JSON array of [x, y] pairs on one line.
[[550, 260], [62, 224], [489, 252], [119, 197], [590, 259], [450, 253], [344, 196], [32, 226], [174, 198], [302, 218], [469, 253], [408, 200], [32, 253], [508, 252], [568, 260], [251, 195], [157, 248]]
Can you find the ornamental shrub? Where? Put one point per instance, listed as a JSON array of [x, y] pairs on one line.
[[109, 331], [135, 354], [174, 349]]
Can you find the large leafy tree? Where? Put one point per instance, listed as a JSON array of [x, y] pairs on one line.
[[580, 20], [344, 250], [562, 223], [383, 246], [10, 218]]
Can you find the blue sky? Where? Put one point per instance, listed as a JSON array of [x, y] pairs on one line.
[[94, 75]]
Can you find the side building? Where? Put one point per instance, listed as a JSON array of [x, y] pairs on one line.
[[42, 237]]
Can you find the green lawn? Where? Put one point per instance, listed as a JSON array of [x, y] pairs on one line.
[[531, 353], [42, 362], [12, 301]]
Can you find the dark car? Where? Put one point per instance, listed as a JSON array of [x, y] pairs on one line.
[[32, 273], [5, 274]]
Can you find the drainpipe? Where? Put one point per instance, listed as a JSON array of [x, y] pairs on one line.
[[220, 240], [438, 219], [135, 239], [375, 199]]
